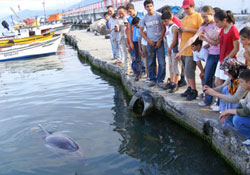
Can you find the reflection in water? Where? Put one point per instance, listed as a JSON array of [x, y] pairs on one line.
[[14, 72], [61, 50], [33, 65]]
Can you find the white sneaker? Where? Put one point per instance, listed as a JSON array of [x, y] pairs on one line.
[[147, 79], [144, 76], [246, 142], [200, 96], [215, 108], [202, 104], [212, 106]]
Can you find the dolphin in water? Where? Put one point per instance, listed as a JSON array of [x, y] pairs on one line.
[[59, 141]]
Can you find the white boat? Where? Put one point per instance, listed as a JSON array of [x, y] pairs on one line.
[[62, 29], [24, 32], [59, 28], [40, 48]]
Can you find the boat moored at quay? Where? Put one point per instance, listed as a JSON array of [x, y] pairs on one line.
[[35, 49]]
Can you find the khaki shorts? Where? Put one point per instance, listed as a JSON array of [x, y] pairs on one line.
[[174, 65], [189, 66]]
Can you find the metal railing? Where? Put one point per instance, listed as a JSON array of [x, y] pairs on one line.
[[96, 7]]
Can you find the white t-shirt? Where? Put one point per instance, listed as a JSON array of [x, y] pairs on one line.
[[112, 23], [152, 23], [200, 56], [114, 35], [120, 22], [170, 37]]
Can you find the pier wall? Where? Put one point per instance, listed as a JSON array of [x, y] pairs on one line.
[[202, 121]]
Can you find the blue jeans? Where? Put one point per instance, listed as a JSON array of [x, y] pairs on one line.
[[225, 105], [143, 66], [133, 65], [160, 53], [137, 63], [113, 49], [241, 124], [135, 60], [210, 68]]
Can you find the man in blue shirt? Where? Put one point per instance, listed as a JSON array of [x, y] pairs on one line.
[[134, 46], [106, 16]]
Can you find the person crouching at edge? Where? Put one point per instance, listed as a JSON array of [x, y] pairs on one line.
[[240, 117]]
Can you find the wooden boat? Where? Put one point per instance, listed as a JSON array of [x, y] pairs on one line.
[[26, 40], [39, 48]]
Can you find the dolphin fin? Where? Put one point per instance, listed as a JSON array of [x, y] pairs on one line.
[[44, 130]]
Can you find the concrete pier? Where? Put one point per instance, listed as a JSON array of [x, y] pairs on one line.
[[201, 120]]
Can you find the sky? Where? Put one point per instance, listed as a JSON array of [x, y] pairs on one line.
[[32, 5]]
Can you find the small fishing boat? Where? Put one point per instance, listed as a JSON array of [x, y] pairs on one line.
[[39, 48], [59, 28], [26, 32], [10, 41], [62, 29]]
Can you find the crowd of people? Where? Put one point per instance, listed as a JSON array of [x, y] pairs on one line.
[[141, 42]]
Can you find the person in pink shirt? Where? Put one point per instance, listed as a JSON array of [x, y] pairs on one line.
[[211, 31], [228, 42]]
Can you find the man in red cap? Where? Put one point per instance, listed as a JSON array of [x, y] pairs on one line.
[[190, 25]]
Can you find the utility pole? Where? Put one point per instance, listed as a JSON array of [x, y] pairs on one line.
[[44, 10], [12, 20]]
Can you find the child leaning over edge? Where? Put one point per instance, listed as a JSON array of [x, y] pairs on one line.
[[240, 119], [199, 54], [172, 48], [229, 92], [210, 31]]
